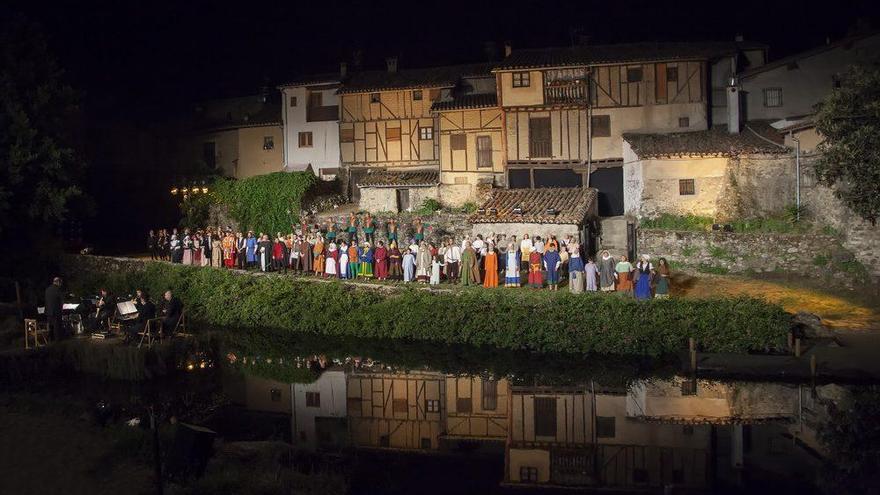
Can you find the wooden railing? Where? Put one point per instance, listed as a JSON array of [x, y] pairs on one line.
[[566, 93], [539, 148], [322, 114]]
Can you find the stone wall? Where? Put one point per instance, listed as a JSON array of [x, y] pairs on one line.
[[810, 254], [379, 199], [437, 226]]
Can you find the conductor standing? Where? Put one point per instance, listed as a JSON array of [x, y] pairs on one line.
[[54, 305]]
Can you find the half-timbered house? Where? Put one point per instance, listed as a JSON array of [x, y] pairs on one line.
[[395, 410], [565, 109], [386, 125], [476, 408]]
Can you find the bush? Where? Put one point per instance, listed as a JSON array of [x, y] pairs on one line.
[[678, 222], [429, 207], [536, 321], [265, 203]]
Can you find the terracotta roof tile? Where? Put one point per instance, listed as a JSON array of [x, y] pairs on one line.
[[486, 100], [387, 178], [713, 142], [572, 205], [432, 77]]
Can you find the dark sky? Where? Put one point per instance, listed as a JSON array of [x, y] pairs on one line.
[[145, 52]]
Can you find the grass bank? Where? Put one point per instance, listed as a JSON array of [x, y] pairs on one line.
[[537, 321]]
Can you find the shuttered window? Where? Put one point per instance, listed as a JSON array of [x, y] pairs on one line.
[[601, 125], [316, 100], [773, 97], [313, 399], [417, 95], [521, 80], [374, 98], [545, 416], [464, 405], [346, 135], [305, 139], [458, 141], [490, 395], [293, 101], [539, 137], [686, 187], [392, 134], [484, 151], [633, 74], [605, 426], [399, 406], [672, 74]]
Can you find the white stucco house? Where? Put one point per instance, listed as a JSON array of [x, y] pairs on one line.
[[310, 115], [319, 411]]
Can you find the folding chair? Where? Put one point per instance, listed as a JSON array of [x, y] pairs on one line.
[[152, 331], [32, 328]]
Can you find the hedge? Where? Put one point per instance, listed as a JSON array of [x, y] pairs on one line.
[[511, 319]]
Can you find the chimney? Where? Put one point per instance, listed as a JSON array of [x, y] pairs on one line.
[[738, 38], [343, 70], [508, 48], [391, 63], [733, 106]]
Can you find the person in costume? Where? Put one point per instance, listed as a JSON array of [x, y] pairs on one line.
[[420, 230], [331, 260], [409, 266], [436, 265], [366, 257], [525, 249], [381, 256], [229, 250], [423, 263], [318, 256], [646, 273], [661, 288], [591, 275], [536, 275], [369, 228], [623, 271], [395, 270], [452, 260], [343, 261], [305, 255], [511, 267], [607, 271], [552, 262], [470, 270], [391, 230], [352, 229], [251, 249], [490, 266], [353, 261]]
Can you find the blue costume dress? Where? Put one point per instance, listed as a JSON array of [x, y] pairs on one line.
[[251, 250], [551, 262], [366, 259], [643, 286]]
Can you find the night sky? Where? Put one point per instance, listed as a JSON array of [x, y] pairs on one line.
[[159, 51]]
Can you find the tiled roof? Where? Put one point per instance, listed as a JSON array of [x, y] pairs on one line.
[[309, 79], [619, 53], [483, 100], [433, 77], [713, 142], [843, 43], [572, 206], [387, 178]]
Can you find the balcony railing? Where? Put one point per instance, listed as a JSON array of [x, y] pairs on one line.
[[566, 93], [539, 148], [322, 114]]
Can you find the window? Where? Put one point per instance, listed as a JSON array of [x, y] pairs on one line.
[[605, 426], [684, 122], [528, 474], [316, 100], [305, 139], [346, 135], [432, 405], [464, 405], [426, 443], [209, 154], [689, 387], [426, 133], [773, 97], [384, 441], [293, 101], [633, 74], [601, 125], [399, 406], [545, 416], [484, 152], [354, 405], [521, 80], [434, 94], [672, 74], [374, 98], [539, 137], [458, 141], [686, 187], [313, 399], [490, 395], [392, 134], [417, 95], [268, 142], [275, 395]]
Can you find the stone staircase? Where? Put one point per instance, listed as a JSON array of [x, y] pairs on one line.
[[613, 235]]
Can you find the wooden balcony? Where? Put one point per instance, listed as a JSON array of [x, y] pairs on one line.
[[539, 148], [568, 93], [322, 114]]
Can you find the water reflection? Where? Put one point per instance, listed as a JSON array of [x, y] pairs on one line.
[[670, 432]]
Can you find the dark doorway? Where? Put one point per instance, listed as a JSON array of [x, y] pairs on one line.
[[609, 182], [402, 199], [209, 155], [355, 176], [518, 179], [557, 177]]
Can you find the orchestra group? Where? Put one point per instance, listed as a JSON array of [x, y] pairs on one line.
[[358, 251]]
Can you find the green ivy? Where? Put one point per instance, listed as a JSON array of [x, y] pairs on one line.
[[265, 203], [536, 321]]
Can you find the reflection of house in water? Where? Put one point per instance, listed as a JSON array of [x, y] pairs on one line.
[[397, 410], [319, 411], [476, 408], [572, 437]]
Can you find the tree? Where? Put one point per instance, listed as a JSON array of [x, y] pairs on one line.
[[849, 120], [39, 170]]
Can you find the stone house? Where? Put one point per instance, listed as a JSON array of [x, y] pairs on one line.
[[558, 211], [310, 112], [397, 191], [710, 173]]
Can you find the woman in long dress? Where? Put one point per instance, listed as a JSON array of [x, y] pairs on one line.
[[395, 272], [624, 271], [330, 261], [436, 263], [409, 266], [552, 261], [229, 250], [343, 260], [591, 274], [318, 256], [217, 251], [575, 269], [606, 271], [366, 259], [423, 263], [381, 256], [187, 248], [646, 271], [661, 288], [536, 277], [511, 268], [490, 267]]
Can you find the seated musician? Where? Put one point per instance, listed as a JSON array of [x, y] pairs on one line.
[[146, 311], [106, 306], [172, 309]]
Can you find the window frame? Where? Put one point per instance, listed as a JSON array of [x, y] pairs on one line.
[[310, 139], [417, 95], [684, 122], [484, 155], [606, 423], [521, 79], [313, 399], [600, 118], [547, 422], [432, 406], [687, 187], [767, 92], [293, 102], [528, 474], [393, 134], [375, 98], [268, 143], [458, 141], [343, 138], [670, 70], [426, 133], [632, 71], [489, 395], [316, 99]]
